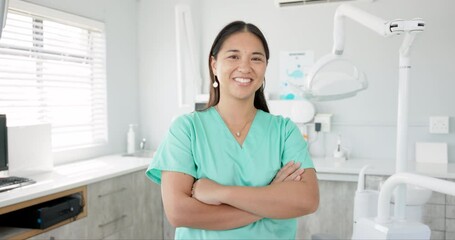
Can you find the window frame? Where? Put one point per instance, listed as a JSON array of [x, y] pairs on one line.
[[80, 22]]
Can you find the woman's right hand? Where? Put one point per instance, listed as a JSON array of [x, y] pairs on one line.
[[289, 172]]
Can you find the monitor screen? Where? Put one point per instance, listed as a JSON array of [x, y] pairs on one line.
[[3, 144]]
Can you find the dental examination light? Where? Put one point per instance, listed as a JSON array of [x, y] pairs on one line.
[[326, 85], [323, 83]]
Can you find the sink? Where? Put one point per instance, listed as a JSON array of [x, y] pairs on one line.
[[141, 154]]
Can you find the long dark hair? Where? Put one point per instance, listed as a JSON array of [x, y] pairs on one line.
[[228, 30]]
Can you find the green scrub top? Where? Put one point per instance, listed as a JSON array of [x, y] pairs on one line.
[[201, 145]]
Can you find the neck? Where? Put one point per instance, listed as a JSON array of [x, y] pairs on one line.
[[236, 111], [238, 119]]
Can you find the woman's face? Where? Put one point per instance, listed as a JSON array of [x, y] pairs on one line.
[[240, 66]]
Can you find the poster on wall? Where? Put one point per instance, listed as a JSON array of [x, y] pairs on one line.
[[293, 67]]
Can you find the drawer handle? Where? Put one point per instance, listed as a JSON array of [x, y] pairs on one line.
[[113, 221], [109, 193]]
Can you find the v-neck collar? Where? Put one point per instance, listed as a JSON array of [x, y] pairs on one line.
[[227, 130]]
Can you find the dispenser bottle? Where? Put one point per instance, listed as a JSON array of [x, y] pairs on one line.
[[131, 140]]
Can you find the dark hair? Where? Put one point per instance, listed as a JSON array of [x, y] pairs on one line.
[[227, 31]]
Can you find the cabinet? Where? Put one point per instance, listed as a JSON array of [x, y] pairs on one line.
[[124, 207]]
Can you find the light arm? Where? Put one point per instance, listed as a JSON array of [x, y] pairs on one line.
[[374, 23], [368, 20]]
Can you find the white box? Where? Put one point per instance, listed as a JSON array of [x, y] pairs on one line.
[[427, 152], [299, 111], [29, 150]]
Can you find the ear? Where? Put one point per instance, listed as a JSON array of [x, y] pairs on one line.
[[213, 64]]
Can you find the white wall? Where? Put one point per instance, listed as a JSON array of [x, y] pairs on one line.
[[157, 66], [141, 65], [367, 122], [122, 82]]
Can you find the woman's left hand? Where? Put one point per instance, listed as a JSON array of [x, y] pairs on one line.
[[206, 191], [289, 172]]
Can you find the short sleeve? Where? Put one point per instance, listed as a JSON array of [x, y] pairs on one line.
[[295, 146], [174, 153]]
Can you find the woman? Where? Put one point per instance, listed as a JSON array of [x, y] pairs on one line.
[[234, 171]]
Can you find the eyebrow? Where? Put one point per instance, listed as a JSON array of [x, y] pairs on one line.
[[254, 53]]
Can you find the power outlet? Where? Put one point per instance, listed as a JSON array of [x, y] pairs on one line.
[[324, 119], [439, 124]]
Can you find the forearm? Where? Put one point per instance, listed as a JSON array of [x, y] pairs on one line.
[[184, 211], [283, 200], [192, 213]]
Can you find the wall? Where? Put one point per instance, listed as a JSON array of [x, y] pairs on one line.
[[157, 66], [141, 66], [367, 122], [122, 83]]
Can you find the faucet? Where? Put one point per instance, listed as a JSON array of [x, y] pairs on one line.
[[142, 144]]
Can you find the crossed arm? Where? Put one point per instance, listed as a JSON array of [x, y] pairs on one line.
[[205, 204]]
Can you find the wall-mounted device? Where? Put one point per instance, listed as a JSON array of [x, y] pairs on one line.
[[324, 119]]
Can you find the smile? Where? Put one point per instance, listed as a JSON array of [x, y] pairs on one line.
[[242, 80]]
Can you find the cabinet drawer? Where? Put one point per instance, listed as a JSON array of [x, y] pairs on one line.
[[110, 206]]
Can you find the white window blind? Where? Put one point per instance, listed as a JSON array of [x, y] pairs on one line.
[[52, 70]]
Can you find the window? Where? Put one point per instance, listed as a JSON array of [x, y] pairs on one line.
[[52, 70]]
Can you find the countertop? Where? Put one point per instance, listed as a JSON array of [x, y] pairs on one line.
[[331, 169], [76, 174], [72, 175]]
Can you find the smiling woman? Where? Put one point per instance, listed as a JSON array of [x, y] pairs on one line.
[[233, 170]]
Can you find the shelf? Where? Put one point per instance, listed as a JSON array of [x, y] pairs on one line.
[[23, 233]]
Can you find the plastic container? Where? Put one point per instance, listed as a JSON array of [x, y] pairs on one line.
[[131, 140]]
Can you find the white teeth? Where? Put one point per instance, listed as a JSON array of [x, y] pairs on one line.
[[242, 80]]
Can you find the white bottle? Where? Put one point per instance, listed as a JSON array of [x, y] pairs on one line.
[[131, 140]]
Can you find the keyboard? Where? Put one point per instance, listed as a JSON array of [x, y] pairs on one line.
[[8, 183]]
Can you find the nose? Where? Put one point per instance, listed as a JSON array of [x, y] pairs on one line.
[[244, 66]]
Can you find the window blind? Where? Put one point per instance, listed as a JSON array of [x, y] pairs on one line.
[[53, 71]]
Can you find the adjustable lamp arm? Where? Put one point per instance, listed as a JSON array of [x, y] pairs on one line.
[[378, 25], [370, 21]]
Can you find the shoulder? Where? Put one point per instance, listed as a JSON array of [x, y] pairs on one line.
[[276, 120], [189, 120], [278, 125]]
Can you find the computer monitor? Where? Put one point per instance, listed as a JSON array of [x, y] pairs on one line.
[[3, 144]]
